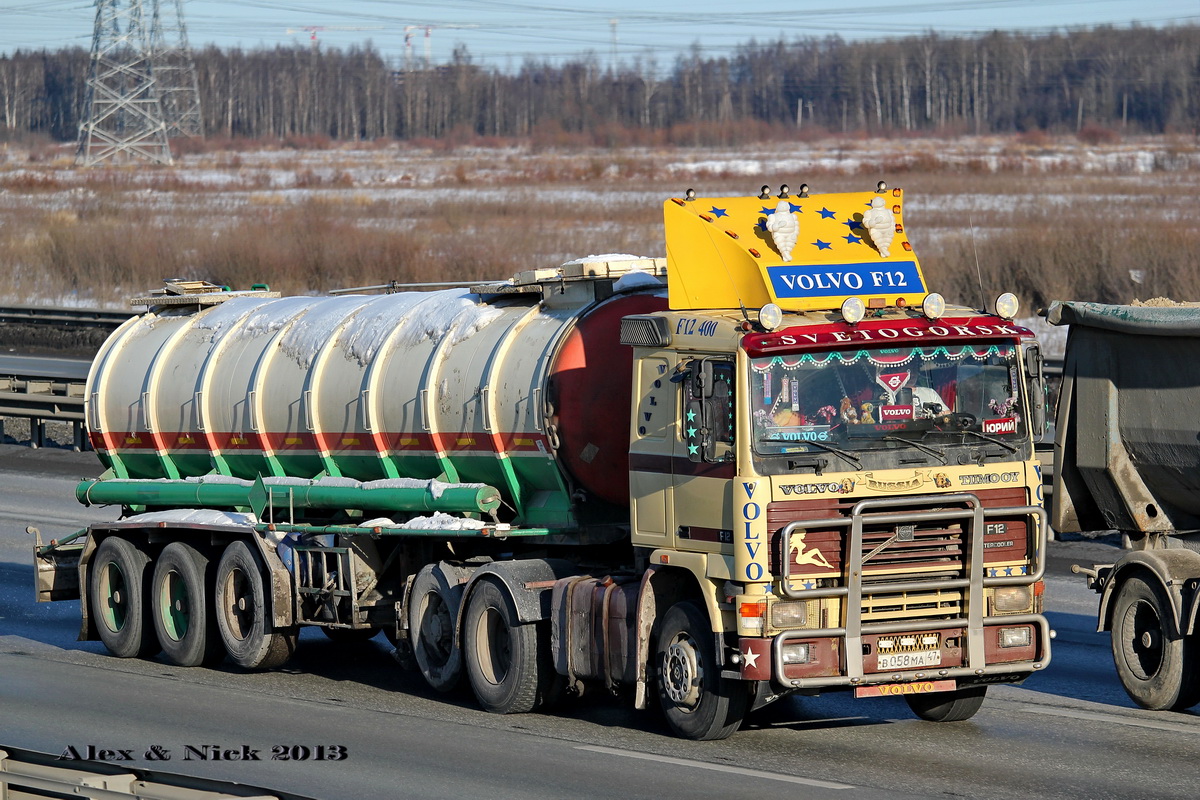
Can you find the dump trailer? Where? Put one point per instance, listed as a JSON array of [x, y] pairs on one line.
[[772, 462], [1127, 459]]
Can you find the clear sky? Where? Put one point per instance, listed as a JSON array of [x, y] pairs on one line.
[[505, 33]]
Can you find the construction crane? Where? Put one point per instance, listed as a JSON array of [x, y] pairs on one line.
[[313, 29], [408, 36]]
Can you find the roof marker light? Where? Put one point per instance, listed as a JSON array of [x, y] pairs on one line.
[[853, 310], [933, 306], [770, 316], [1007, 305]]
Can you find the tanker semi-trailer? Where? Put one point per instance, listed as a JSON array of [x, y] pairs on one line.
[[1127, 459], [772, 462]]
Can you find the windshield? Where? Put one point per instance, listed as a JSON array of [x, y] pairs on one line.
[[917, 399]]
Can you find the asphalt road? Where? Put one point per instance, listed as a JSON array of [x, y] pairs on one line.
[[1068, 732]]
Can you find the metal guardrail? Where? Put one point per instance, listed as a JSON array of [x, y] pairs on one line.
[[63, 315], [41, 399], [27, 775]]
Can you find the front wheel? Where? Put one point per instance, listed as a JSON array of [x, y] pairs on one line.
[[183, 618], [697, 701], [947, 706], [1157, 671]]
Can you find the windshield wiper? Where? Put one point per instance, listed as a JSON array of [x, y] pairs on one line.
[[923, 447], [846, 454], [1012, 448]]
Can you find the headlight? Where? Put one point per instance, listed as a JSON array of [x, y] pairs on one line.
[[789, 614], [1015, 637], [1011, 598], [795, 653]]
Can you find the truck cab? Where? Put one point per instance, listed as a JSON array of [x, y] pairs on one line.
[[850, 477]]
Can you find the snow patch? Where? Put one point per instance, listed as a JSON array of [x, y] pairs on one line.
[[196, 516]]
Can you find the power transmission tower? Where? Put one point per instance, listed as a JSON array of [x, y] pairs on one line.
[[123, 118], [174, 70]]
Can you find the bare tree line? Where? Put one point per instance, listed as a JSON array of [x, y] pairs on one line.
[[1134, 79]]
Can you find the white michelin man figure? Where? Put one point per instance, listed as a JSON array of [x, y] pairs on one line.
[[881, 225], [784, 228]]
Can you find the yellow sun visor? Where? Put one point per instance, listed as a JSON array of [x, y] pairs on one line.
[[726, 252]]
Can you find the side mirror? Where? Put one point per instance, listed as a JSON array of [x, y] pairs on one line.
[[1036, 389]]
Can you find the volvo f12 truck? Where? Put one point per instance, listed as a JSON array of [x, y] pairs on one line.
[[772, 462], [1127, 459]]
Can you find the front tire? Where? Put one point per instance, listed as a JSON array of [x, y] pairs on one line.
[[1157, 671], [119, 599], [953, 706], [508, 663], [183, 617], [241, 611], [698, 703], [432, 613]]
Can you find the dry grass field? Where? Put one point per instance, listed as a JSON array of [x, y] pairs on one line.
[[1048, 218]]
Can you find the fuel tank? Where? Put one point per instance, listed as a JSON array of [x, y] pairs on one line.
[[520, 385]]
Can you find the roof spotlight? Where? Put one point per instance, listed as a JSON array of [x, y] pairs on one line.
[[1007, 305], [853, 310], [783, 192], [691, 194], [933, 306], [881, 187], [764, 193], [770, 316], [803, 190]]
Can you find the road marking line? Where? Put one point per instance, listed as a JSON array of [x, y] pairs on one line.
[[1174, 727], [683, 762]]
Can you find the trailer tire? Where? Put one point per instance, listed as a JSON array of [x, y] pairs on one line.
[[240, 606], [184, 618], [119, 599], [508, 662], [953, 706], [698, 703], [1158, 672], [433, 607]]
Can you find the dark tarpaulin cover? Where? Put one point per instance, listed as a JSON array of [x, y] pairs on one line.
[[1138, 320]]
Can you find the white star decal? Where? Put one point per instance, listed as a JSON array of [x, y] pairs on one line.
[[751, 659]]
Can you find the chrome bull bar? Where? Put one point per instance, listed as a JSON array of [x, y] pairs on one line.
[[854, 589]]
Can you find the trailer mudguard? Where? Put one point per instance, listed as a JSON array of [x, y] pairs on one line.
[[1174, 570]]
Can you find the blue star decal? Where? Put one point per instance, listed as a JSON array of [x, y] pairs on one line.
[[691, 415], [766, 210], [693, 449], [851, 238], [822, 245], [826, 213], [853, 223], [719, 212], [691, 432], [795, 207]]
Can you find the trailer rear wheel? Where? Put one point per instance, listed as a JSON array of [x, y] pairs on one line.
[[183, 617], [241, 611], [118, 598], [507, 661], [698, 703], [1157, 671], [947, 706], [432, 611]]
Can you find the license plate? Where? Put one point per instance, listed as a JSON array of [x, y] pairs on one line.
[[917, 659]]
